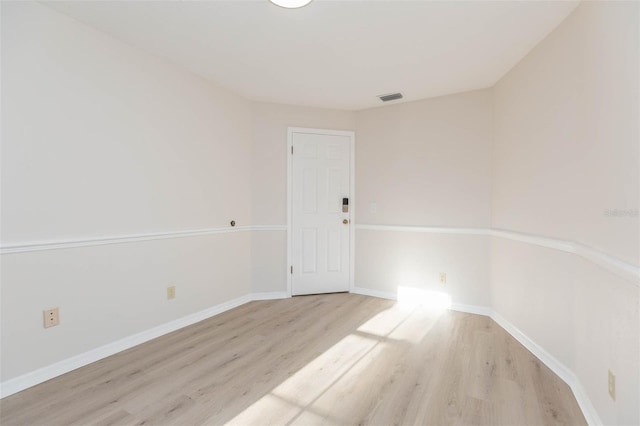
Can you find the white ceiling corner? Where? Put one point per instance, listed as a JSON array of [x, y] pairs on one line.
[[333, 54]]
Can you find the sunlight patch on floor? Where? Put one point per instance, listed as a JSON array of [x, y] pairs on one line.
[[308, 383], [386, 321], [413, 332], [296, 395], [429, 299], [267, 410], [335, 380]]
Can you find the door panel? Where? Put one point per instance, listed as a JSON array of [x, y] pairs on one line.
[[320, 242], [334, 251], [309, 190], [309, 250]]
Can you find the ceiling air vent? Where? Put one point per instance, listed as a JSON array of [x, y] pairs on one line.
[[390, 97]]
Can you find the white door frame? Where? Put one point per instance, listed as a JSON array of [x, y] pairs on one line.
[[352, 196]]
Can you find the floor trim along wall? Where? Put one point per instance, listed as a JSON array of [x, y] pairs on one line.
[[374, 293], [270, 295], [33, 378], [590, 413], [615, 265], [43, 374]]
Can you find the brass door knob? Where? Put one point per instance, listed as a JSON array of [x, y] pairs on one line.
[[345, 221]]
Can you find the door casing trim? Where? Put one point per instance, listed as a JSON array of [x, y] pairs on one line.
[[352, 197]]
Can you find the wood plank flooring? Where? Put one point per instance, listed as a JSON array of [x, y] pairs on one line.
[[327, 359]]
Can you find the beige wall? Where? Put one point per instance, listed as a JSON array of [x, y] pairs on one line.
[[388, 260], [110, 292], [269, 182], [269, 160], [101, 140], [425, 163], [566, 133], [582, 314], [105, 140], [565, 151]]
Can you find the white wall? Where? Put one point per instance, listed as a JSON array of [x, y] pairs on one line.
[[566, 133], [565, 152], [403, 157], [103, 140], [388, 260], [269, 182], [110, 292], [425, 164], [100, 140]]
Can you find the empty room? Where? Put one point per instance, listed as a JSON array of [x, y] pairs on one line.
[[300, 212]]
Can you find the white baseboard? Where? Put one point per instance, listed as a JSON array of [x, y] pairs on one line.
[[460, 307], [471, 309], [270, 295], [589, 411], [33, 378], [563, 372], [43, 374], [568, 376], [374, 293]]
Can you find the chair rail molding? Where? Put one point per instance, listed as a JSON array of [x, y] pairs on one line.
[[620, 267], [130, 238], [624, 269]]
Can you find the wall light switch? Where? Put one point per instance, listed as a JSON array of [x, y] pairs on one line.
[[443, 277], [171, 292], [612, 385], [373, 207]]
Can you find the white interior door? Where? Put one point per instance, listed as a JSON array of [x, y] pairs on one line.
[[320, 225]]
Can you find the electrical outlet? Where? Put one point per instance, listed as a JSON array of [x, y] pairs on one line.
[[612, 385], [443, 278], [171, 292], [51, 317]]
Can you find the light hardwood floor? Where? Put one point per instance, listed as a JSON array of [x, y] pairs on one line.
[[331, 359]]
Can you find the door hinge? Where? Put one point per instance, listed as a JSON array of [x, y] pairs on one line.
[[291, 269]]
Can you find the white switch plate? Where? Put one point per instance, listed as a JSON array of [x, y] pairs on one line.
[[373, 207], [443, 277], [171, 292], [612, 385]]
